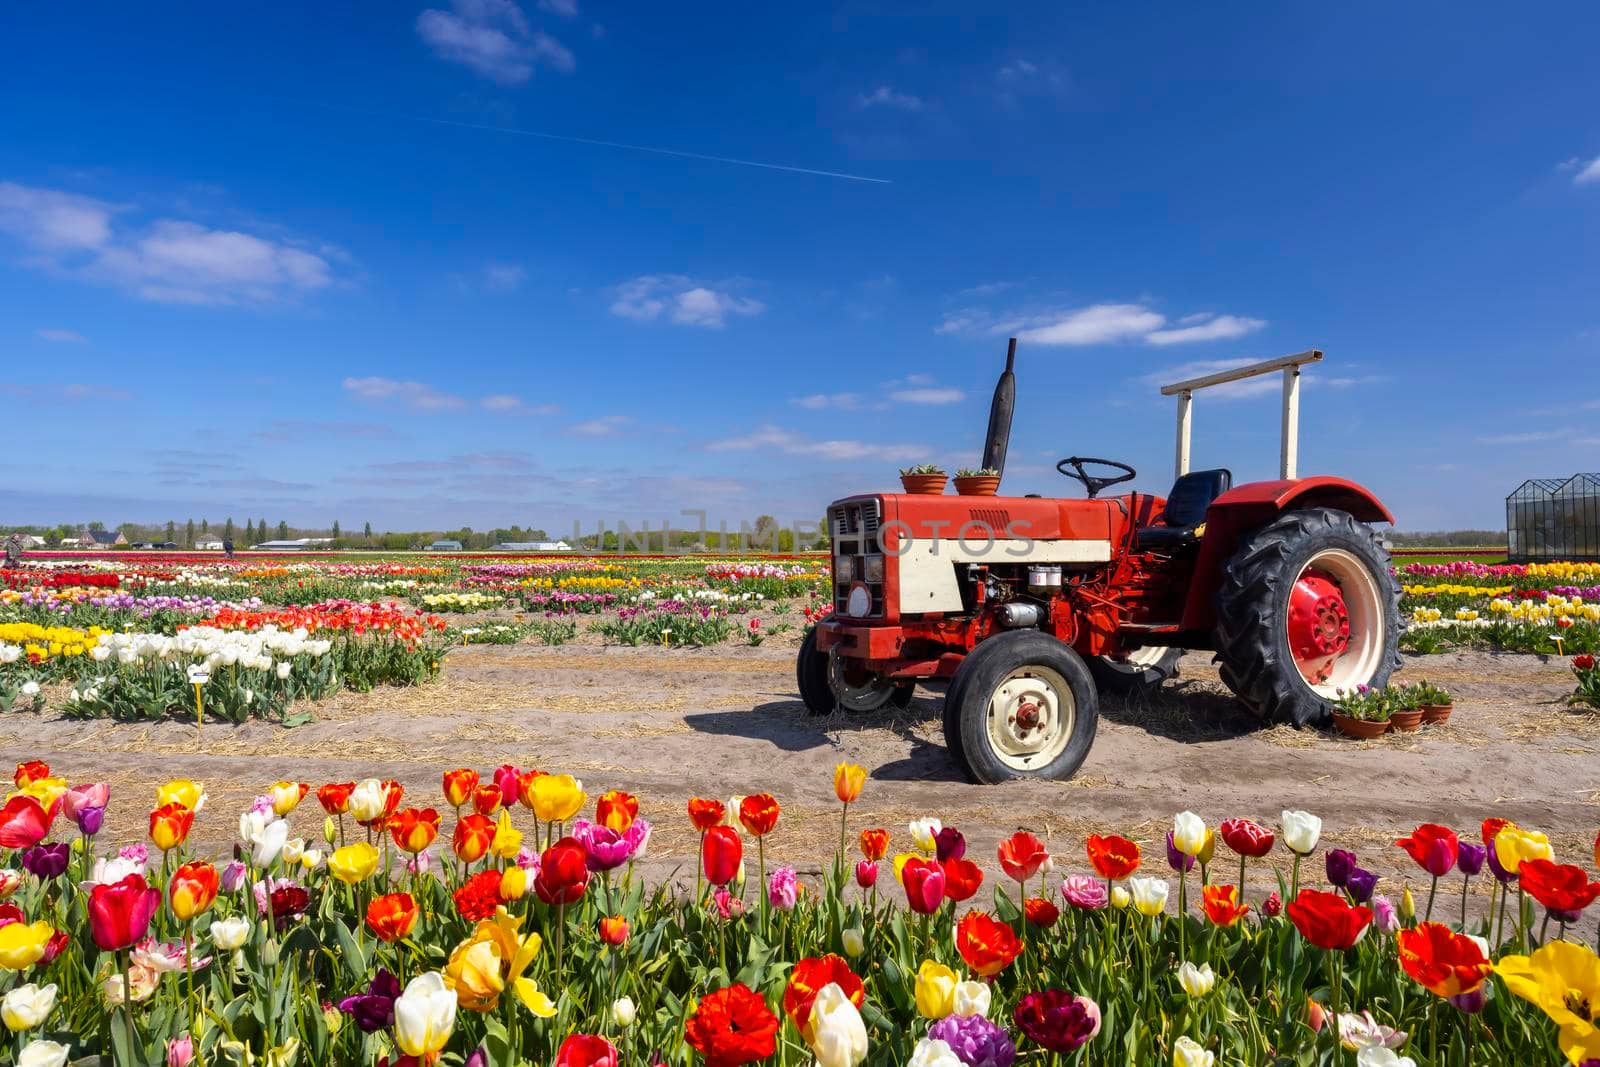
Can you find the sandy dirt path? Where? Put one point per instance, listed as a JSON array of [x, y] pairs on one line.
[[671, 723]]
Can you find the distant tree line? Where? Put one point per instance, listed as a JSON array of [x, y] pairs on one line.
[[1448, 538]]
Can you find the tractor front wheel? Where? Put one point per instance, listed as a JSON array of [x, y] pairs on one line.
[[1140, 673], [1022, 705], [1308, 607], [828, 682]]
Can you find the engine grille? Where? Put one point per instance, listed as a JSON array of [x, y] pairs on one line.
[[853, 525]]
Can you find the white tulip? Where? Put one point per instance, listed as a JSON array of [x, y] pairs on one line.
[[623, 1012], [1185, 1053], [1301, 830], [1378, 1056], [269, 842], [1188, 833], [424, 1015], [109, 870], [1149, 895], [367, 800], [836, 1033], [43, 1054], [931, 1052], [27, 1006], [972, 998], [854, 943], [1196, 981], [923, 832], [283, 670], [30, 688], [230, 933]]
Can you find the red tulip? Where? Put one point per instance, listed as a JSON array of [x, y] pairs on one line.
[[486, 799], [1021, 856], [1491, 827], [961, 879], [706, 813], [563, 872], [1433, 847], [1442, 961], [1040, 912], [924, 885], [1327, 920], [30, 771], [414, 829], [723, 852], [1113, 857], [808, 978], [586, 1050], [616, 810], [335, 797], [874, 844], [732, 1027], [759, 813], [1246, 838], [119, 915], [987, 945], [473, 836], [23, 822], [1558, 886]]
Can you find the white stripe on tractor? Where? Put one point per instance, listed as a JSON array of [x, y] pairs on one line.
[[927, 567]]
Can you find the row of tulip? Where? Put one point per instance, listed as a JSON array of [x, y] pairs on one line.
[[387, 942]]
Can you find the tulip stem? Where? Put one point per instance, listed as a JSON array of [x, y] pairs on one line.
[[126, 965], [1334, 997], [1432, 892], [1465, 880]]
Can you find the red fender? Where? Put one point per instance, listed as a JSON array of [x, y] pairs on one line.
[[1250, 506]]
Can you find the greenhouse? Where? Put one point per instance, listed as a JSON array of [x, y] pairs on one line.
[[1554, 519]]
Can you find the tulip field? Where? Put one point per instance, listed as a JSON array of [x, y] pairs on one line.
[[460, 810]]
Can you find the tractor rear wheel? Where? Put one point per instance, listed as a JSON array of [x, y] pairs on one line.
[[1021, 705], [827, 682], [1308, 607], [1141, 672]]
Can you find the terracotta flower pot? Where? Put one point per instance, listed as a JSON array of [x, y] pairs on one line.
[[924, 484], [1406, 720], [1437, 712], [1361, 728], [978, 485]]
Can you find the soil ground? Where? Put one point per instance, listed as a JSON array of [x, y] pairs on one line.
[[670, 723]]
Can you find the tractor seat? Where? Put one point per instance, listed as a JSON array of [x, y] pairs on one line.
[[1186, 508]]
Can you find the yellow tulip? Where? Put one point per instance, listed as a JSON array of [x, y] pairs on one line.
[[1563, 980], [513, 883], [1513, 845], [1208, 849], [936, 990], [45, 790], [557, 797], [190, 794], [285, 797], [22, 944], [492, 958], [353, 863], [507, 838], [900, 861]]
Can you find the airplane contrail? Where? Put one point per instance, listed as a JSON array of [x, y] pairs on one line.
[[517, 131]]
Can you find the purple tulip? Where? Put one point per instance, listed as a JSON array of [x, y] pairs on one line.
[[1360, 884], [948, 844], [638, 839], [1179, 861], [374, 1009], [1384, 915], [976, 1041], [606, 850], [47, 861], [1470, 857], [233, 877], [1568, 917], [89, 820], [1471, 1003], [1340, 862], [479, 1058]]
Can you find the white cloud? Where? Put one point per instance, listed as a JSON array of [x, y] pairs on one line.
[[1097, 324], [685, 302], [928, 396], [170, 260], [822, 401], [1531, 437], [961, 321], [61, 336], [493, 38], [504, 277], [793, 444], [509, 404], [567, 9], [414, 395], [604, 426], [1589, 172], [1206, 328], [884, 96]]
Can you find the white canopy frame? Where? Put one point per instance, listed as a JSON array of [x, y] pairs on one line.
[[1289, 448]]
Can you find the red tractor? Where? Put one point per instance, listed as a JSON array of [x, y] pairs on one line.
[[1030, 606]]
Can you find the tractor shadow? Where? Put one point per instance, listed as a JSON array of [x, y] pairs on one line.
[[1190, 712], [787, 725]]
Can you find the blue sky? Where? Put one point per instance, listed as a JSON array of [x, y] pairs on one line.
[[308, 261]]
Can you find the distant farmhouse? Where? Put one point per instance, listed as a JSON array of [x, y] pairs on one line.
[[208, 543], [533, 546], [297, 544], [444, 546], [100, 539]]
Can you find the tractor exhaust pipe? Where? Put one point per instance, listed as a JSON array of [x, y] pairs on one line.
[[1004, 403]]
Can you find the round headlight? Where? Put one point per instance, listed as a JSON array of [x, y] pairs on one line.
[[858, 605]]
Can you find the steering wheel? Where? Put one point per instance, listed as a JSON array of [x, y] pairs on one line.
[[1091, 482]]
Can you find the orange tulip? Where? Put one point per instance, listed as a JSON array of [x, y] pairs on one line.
[[874, 844], [987, 944], [616, 810], [192, 890], [706, 813], [474, 834], [335, 797], [169, 825], [458, 786], [392, 917], [1442, 961], [1113, 857], [759, 813], [414, 829], [30, 771], [486, 799], [848, 778], [613, 929], [1221, 904]]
